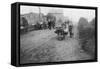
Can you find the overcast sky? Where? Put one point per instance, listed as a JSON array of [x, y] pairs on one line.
[[73, 14]]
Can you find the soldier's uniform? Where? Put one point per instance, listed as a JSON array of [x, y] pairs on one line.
[[70, 30]]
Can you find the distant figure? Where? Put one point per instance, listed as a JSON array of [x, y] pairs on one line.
[[65, 27], [37, 26], [41, 25], [70, 29], [53, 24], [44, 25], [49, 24]]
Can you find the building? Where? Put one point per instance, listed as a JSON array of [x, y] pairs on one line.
[[58, 13]]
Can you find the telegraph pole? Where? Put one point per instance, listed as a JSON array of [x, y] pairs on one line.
[[39, 13]]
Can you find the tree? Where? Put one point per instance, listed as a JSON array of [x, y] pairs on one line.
[[24, 22], [87, 36], [82, 23]]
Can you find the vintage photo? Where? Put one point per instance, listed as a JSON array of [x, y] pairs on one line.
[[54, 34]]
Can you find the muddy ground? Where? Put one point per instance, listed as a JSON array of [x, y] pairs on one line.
[[43, 46]]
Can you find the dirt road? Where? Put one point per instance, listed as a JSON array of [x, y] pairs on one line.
[[66, 50]]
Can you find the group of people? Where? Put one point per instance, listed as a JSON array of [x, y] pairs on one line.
[[45, 25], [65, 29]]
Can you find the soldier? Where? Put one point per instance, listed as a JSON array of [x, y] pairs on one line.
[[66, 29], [49, 24], [41, 25], [63, 25], [53, 22], [44, 25], [70, 30], [38, 26]]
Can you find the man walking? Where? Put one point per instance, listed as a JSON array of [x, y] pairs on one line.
[[70, 30]]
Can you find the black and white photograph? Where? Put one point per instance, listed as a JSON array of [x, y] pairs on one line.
[[56, 34]]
